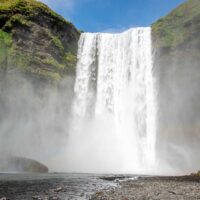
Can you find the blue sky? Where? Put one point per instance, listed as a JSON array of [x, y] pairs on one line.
[[112, 15]]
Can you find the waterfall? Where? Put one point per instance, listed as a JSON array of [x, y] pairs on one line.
[[114, 107]]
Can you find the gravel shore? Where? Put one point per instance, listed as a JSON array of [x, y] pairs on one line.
[[154, 188], [96, 187]]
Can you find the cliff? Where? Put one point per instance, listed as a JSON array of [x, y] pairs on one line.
[[176, 36], [176, 42], [35, 41], [180, 28]]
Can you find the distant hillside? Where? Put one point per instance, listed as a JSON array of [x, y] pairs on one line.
[[36, 41]]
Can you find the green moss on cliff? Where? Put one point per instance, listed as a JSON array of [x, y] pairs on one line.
[[71, 59], [40, 39], [5, 50], [57, 42], [19, 19], [53, 62], [175, 28], [6, 39], [26, 7]]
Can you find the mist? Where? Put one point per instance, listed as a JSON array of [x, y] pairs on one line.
[[178, 84], [37, 121], [34, 117]]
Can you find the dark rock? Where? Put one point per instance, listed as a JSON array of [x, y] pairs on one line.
[[37, 197], [54, 198], [19, 164], [171, 192], [58, 189], [124, 198], [113, 178], [43, 43]]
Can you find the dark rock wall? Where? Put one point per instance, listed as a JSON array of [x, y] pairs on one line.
[[43, 44]]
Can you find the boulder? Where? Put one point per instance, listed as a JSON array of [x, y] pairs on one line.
[[20, 164]]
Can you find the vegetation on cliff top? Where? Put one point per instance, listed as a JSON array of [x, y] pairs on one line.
[[38, 41], [177, 27], [29, 8]]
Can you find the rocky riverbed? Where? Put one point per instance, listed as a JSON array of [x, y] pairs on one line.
[[154, 188], [97, 187], [51, 186]]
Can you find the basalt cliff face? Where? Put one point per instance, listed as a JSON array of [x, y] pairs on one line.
[[37, 68], [35, 41], [176, 41]]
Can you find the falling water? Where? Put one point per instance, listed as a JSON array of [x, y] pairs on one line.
[[114, 107]]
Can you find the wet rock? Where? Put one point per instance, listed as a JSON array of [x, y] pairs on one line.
[[54, 198], [172, 192], [20, 164], [82, 194], [58, 189], [97, 195], [36, 197], [113, 178], [124, 198]]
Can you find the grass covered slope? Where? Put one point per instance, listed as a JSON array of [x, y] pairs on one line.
[[181, 25], [36, 41]]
